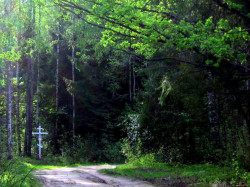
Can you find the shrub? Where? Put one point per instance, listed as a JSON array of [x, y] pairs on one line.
[[112, 152], [14, 173], [84, 150]]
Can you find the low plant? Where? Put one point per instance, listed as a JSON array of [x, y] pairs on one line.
[[15, 173]]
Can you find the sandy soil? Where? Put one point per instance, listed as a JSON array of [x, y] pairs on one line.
[[87, 176]]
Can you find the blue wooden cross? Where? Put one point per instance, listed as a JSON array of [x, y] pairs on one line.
[[40, 133]]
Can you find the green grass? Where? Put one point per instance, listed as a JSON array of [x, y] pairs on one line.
[[198, 173], [49, 163], [18, 172], [15, 173]]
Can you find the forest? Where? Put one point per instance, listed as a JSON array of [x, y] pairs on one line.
[[148, 83]]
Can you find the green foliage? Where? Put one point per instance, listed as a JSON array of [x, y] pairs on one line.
[[147, 161], [112, 152], [151, 24], [132, 150], [168, 119], [50, 162], [84, 150], [165, 90], [199, 174], [15, 173]]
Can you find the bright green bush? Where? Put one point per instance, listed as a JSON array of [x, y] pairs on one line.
[[14, 173], [131, 150]]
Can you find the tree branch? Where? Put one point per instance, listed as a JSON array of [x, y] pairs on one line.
[[232, 10]]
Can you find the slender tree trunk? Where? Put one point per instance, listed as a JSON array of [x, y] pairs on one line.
[[73, 95], [213, 119], [134, 82], [73, 80], [38, 76], [57, 89], [9, 108], [30, 82], [0, 137], [19, 146], [27, 112], [31, 105], [18, 112], [38, 81], [29, 108], [7, 9], [248, 109], [130, 78]]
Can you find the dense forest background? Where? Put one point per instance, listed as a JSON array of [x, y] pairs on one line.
[[112, 79]]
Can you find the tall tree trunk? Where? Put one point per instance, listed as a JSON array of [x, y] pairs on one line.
[[27, 111], [248, 111], [73, 80], [73, 95], [30, 82], [38, 82], [130, 78], [134, 82], [31, 104], [38, 75], [7, 9], [29, 108], [9, 108], [0, 136], [57, 89], [213, 119], [18, 112]]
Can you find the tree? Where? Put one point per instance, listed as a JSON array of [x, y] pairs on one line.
[[30, 79], [216, 43], [7, 10]]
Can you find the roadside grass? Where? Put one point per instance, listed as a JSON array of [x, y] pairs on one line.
[[14, 173], [202, 174], [50, 163], [18, 172]]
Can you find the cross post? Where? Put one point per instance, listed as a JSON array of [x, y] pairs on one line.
[[40, 133]]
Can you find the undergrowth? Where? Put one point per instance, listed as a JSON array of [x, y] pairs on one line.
[[147, 168], [18, 172], [14, 173]]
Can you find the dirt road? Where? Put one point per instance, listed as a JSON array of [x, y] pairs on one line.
[[87, 176]]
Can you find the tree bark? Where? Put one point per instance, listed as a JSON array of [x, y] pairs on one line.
[[29, 108], [57, 89], [30, 82], [130, 78], [73, 95], [18, 112], [0, 136], [38, 76], [212, 115], [9, 108], [7, 9], [134, 82]]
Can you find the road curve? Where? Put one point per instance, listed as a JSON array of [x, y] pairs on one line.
[[85, 176]]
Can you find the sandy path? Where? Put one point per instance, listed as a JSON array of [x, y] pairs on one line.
[[87, 176]]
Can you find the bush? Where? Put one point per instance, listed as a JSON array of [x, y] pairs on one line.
[[134, 155], [131, 150], [112, 152], [84, 150], [14, 173], [147, 161]]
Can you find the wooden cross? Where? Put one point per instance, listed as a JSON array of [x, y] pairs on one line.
[[40, 133]]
